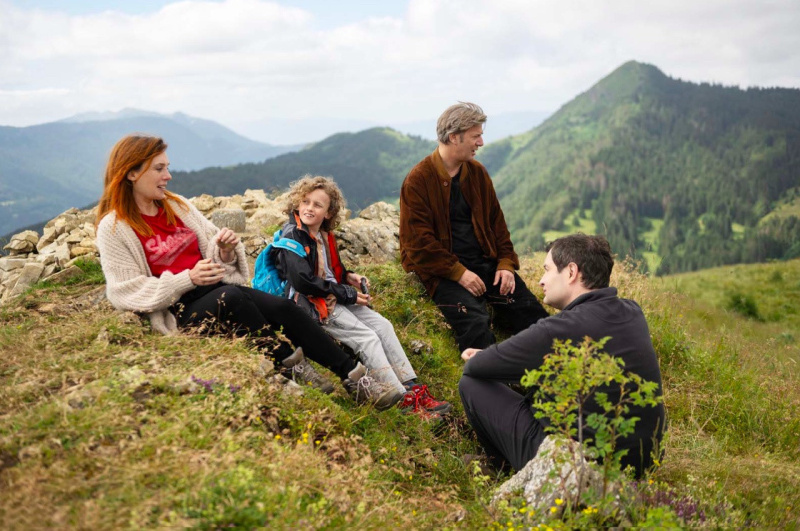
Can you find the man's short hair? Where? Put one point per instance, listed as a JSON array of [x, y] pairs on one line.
[[592, 255], [457, 119]]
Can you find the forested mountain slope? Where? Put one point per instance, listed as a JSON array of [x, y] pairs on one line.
[[369, 166], [704, 162]]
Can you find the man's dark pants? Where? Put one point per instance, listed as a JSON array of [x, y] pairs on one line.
[[469, 317], [502, 420]]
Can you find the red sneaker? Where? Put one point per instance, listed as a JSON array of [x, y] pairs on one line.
[[411, 405], [428, 402]]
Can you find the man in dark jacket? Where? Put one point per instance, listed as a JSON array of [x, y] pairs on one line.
[[453, 235], [575, 281]]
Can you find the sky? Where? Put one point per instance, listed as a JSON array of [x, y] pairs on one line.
[[292, 71]]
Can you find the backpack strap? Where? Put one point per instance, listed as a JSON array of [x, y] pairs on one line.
[[278, 242]]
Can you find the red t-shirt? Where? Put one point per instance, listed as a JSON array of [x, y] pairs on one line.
[[172, 248]]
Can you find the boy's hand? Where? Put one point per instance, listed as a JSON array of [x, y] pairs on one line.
[[354, 279], [363, 299]]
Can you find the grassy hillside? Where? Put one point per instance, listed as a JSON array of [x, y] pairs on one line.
[[101, 426]]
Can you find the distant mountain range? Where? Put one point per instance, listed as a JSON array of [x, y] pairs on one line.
[[46, 169], [314, 129], [680, 175]]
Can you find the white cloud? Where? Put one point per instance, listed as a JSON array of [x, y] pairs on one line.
[[241, 61]]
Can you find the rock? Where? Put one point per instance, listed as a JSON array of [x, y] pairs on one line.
[[30, 274], [234, 219], [49, 269], [254, 199], [65, 274], [46, 259], [79, 398], [22, 243], [553, 473], [133, 377], [265, 217], [420, 347], [76, 251], [381, 211], [285, 385], [204, 203], [62, 254], [48, 237], [265, 368], [10, 264]]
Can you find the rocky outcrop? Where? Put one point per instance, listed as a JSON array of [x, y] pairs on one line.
[[556, 474], [372, 237]]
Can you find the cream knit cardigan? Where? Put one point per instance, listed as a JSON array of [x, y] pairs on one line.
[[131, 286]]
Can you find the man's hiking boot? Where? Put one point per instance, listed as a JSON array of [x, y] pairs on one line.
[[366, 390], [296, 367], [418, 400]]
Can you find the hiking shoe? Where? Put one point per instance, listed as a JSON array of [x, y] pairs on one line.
[[297, 368], [366, 390], [418, 396], [411, 406]]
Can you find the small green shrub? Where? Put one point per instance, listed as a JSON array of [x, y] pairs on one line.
[[744, 305]]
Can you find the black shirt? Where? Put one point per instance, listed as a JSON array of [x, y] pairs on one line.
[[465, 244], [596, 314]]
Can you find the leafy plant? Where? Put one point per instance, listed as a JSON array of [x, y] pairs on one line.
[[564, 385]]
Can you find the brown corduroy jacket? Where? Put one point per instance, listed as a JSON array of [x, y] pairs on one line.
[[425, 235]]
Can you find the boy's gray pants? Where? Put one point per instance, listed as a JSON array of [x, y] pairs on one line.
[[372, 338]]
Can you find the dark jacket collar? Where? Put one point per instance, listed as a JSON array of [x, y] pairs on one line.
[[592, 296]]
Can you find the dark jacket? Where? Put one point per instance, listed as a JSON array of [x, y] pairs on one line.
[[596, 314], [425, 234], [300, 272]]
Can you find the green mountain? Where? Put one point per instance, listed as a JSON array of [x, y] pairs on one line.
[[48, 168], [689, 172], [369, 166]]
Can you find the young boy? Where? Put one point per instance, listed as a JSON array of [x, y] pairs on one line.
[[321, 285]]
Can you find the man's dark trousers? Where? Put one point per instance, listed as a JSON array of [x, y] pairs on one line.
[[469, 317], [503, 421]]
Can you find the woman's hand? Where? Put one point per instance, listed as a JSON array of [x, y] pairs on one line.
[[205, 273], [227, 240]]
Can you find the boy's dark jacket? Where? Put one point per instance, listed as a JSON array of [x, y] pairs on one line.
[[300, 273]]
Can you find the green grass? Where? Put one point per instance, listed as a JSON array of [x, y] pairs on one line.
[[101, 426]]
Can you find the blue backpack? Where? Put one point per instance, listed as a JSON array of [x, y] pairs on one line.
[[266, 276]]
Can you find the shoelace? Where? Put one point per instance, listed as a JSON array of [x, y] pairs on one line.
[[364, 383]]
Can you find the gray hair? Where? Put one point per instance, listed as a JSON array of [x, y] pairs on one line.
[[457, 119]]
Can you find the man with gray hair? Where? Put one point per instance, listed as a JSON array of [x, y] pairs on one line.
[[453, 235]]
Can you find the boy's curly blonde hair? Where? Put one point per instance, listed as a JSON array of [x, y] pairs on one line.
[[307, 184]]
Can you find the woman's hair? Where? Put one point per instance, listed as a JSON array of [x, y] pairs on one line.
[[308, 184], [133, 153]]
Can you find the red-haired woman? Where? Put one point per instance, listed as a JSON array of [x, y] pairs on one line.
[[163, 258]]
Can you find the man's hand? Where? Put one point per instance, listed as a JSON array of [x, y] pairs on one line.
[[506, 280], [472, 283], [468, 353]]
